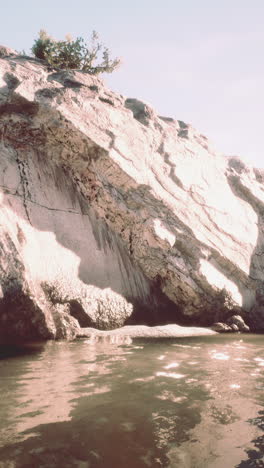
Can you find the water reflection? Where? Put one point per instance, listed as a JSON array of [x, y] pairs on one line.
[[186, 403]]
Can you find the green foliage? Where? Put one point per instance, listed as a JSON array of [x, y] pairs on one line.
[[41, 45], [75, 54]]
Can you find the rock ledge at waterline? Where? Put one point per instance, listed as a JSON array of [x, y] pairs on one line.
[[111, 214], [142, 331]]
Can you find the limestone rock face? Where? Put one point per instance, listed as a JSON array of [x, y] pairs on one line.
[[6, 51], [99, 191]]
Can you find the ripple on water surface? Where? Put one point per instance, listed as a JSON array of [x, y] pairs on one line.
[[192, 402]]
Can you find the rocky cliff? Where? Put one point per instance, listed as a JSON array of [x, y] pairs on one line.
[[111, 213]]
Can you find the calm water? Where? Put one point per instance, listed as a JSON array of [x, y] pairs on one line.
[[184, 403]]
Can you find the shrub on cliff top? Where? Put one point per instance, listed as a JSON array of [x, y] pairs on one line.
[[75, 54]]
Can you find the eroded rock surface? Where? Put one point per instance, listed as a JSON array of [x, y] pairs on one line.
[[99, 191], [6, 51], [91, 306]]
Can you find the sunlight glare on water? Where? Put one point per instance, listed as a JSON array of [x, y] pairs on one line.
[[186, 403]]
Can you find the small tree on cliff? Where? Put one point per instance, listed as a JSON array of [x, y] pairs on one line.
[[75, 54]]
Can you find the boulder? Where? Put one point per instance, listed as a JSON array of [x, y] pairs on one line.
[[91, 306], [221, 327], [238, 321]]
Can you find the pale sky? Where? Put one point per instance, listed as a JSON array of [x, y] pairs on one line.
[[200, 61]]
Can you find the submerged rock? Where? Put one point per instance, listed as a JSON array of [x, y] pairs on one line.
[[100, 194]]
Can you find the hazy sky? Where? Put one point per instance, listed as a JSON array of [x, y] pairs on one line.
[[201, 61]]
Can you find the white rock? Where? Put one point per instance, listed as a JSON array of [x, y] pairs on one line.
[[99, 191]]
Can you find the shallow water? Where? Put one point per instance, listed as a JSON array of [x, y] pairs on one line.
[[196, 402]]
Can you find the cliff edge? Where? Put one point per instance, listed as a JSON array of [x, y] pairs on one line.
[[112, 214]]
